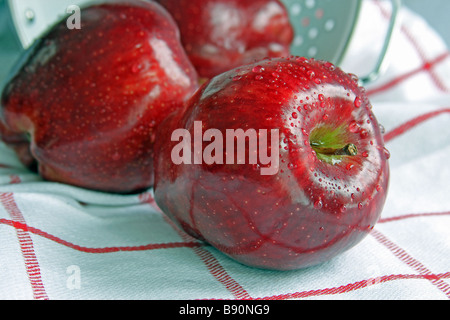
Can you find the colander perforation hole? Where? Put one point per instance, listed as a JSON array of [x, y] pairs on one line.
[[322, 27], [329, 25]]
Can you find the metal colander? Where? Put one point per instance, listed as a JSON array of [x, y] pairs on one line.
[[324, 29], [31, 18]]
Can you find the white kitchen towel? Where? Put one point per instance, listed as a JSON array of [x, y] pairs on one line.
[[61, 242]]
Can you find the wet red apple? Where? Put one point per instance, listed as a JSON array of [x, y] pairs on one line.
[[321, 193], [219, 35], [85, 104]]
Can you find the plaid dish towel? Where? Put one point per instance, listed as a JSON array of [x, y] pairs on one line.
[[61, 242]]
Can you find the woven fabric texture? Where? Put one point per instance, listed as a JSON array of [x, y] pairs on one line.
[[62, 242]]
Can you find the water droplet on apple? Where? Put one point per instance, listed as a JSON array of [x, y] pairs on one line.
[[116, 156], [354, 77], [318, 204], [258, 69], [321, 228], [360, 206], [259, 77], [382, 129], [349, 166], [358, 102], [353, 127], [321, 97], [330, 66], [294, 115], [237, 78], [364, 134], [365, 154], [343, 209], [137, 67], [387, 154]]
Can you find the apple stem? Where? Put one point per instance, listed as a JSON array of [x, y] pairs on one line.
[[349, 150]]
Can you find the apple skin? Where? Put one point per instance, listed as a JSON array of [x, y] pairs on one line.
[[316, 206], [85, 104], [219, 35]]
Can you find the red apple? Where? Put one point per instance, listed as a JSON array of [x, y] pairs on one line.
[[86, 103], [295, 201], [219, 35]]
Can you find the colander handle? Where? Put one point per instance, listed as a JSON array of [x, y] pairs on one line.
[[381, 63]]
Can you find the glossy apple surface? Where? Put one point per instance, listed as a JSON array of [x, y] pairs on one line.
[[332, 179], [219, 35], [85, 105]]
